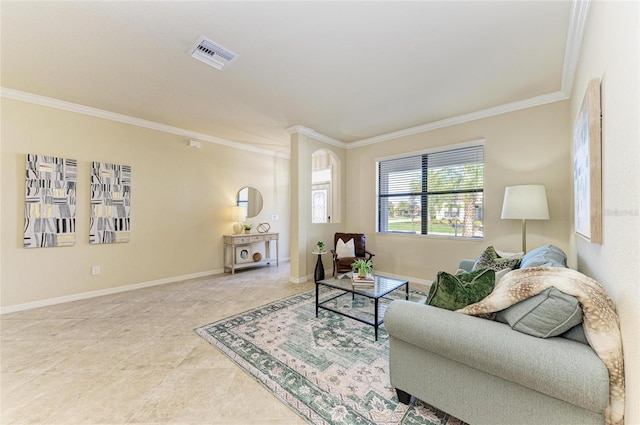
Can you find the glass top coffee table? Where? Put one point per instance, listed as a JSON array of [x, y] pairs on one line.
[[375, 291]]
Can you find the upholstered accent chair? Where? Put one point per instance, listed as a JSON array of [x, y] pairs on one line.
[[345, 251]]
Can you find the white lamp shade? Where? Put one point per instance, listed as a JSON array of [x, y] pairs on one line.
[[238, 214], [528, 202]]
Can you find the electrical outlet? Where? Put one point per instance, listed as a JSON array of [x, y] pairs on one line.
[[275, 217], [95, 270]]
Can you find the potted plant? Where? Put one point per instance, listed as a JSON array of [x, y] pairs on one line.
[[362, 267], [247, 228], [320, 246]]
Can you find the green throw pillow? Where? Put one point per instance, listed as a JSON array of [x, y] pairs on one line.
[[489, 259], [453, 292]]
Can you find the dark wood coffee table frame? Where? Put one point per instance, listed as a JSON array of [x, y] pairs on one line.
[[382, 286]]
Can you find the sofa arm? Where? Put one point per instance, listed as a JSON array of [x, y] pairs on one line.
[[466, 264], [558, 367]]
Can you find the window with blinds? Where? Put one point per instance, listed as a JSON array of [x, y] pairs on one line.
[[436, 193]]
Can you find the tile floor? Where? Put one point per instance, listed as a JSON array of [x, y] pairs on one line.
[[133, 358]]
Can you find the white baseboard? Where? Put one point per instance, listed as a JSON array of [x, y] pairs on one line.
[[302, 279], [109, 291]]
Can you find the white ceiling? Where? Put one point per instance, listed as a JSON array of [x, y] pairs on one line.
[[348, 70]]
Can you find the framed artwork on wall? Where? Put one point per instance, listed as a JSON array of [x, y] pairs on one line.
[[50, 202], [110, 220], [587, 166]]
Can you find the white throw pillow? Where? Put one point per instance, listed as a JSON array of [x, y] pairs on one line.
[[345, 249]]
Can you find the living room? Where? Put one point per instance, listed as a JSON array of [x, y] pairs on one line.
[[182, 196]]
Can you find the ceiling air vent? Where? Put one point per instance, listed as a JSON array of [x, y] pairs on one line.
[[212, 54]]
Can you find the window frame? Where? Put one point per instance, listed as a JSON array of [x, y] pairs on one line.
[[423, 196]]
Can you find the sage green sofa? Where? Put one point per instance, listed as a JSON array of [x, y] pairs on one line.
[[484, 372]]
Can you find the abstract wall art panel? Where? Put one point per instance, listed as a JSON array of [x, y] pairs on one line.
[[50, 202], [110, 203]]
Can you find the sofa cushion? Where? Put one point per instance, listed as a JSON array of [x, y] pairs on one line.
[[345, 250], [576, 333], [489, 259], [453, 292], [550, 313], [545, 256]]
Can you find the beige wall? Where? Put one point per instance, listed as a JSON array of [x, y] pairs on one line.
[[304, 234], [181, 201], [528, 146], [610, 52]]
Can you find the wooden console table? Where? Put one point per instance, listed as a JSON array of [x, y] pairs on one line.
[[238, 252]]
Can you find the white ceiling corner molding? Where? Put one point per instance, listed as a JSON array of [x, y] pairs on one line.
[[126, 119], [461, 119], [575, 34], [314, 134]]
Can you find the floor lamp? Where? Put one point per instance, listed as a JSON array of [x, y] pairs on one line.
[[525, 202]]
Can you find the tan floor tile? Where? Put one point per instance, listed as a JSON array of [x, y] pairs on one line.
[[9, 382], [142, 327], [103, 355], [264, 405], [12, 326], [91, 329], [44, 329], [156, 353], [134, 358], [38, 399], [204, 356], [187, 395], [114, 399], [36, 357]]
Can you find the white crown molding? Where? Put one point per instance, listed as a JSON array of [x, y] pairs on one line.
[[126, 119], [575, 34], [460, 119], [314, 134]]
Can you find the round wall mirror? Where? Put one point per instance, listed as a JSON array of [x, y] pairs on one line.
[[250, 199]]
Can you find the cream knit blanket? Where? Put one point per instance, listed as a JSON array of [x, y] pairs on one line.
[[601, 325]]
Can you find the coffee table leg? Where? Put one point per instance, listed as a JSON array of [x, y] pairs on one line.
[[406, 297], [375, 320], [317, 299]]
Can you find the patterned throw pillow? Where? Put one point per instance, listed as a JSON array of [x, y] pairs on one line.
[[489, 259], [453, 292]]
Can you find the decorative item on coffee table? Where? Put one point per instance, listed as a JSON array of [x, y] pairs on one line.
[[362, 273]]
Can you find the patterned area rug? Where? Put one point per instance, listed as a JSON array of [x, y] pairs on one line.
[[329, 369]]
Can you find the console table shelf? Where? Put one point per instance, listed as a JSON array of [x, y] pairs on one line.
[[238, 250]]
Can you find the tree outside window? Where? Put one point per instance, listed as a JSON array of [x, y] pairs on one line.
[[437, 193]]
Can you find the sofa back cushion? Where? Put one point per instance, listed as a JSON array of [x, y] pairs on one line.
[[544, 256]]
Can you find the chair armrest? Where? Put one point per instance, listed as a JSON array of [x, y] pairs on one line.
[[370, 254]]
